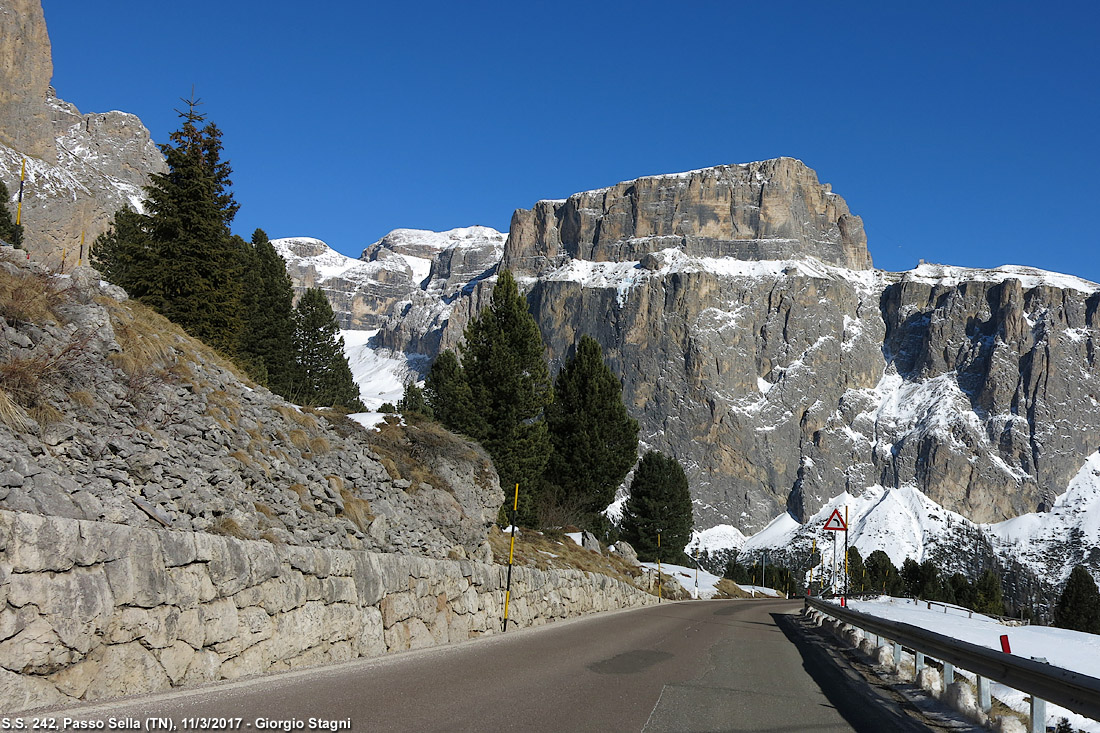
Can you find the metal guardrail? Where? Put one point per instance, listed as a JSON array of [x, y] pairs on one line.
[[1071, 690]]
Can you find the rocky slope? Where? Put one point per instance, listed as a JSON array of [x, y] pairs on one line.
[[80, 169], [110, 413]]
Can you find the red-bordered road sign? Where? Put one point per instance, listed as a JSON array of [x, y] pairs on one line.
[[835, 522]]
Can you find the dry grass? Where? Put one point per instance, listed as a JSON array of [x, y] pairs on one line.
[[319, 445], [229, 527], [408, 451], [27, 297], [83, 398], [12, 415], [356, 509], [304, 497], [299, 440], [265, 510], [298, 417], [28, 380], [548, 550]]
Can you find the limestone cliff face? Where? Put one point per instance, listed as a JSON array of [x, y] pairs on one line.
[[770, 210], [25, 71], [80, 169]]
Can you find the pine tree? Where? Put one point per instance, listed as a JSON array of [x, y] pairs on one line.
[[10, 232], [989, 595], [882, 574], [124, 246], [191, 272], [1079, 605], [857, 572], [412, 402], [509, 383], [659, 502], [324, 375], [449, 398], [594, 440], [267, 341]]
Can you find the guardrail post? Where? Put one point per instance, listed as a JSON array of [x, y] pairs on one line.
[[918, 663], [897, 654], [1038, 715], [985, 700], [948, 674]]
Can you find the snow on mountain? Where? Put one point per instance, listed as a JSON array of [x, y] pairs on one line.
[[1054, 542]]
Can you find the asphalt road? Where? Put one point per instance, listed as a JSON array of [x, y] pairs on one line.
[[690, 666]]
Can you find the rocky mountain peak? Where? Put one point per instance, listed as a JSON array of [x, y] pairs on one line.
[[770, 210], [26, 66]]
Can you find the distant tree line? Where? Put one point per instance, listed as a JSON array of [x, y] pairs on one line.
[[181, 259]]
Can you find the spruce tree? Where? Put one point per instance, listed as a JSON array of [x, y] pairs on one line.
[[594, 440], [122, 248], [659, 502], [324, 377], [191, 272], [267, 341], [448, 396], [509, 383], [10, 232], [412, 402], [989, 595], [1079, 605], [882, 574]]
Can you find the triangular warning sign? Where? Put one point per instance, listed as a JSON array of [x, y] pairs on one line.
[[835, 522]]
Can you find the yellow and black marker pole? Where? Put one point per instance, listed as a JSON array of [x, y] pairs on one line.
[[19, 206], [80, 259], [511, 552], [659, 567]]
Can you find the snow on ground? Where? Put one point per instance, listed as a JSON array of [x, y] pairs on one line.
[[686, 577], [720, 537], [380, 374], [575, 536], [1072, 650]]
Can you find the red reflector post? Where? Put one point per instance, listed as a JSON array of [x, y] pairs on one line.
[[1004, 644]]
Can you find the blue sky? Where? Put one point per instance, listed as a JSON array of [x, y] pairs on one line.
[[962, 133]]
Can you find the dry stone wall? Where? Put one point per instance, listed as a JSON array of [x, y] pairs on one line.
[[92, 610]]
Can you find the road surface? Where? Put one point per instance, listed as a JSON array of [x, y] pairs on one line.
[[689, 666]]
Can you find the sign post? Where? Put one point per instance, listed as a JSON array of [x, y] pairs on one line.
[[511, 552], [836, 523]]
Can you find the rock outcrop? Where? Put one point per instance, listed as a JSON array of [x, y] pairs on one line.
[[80, 169], [417, 288], [771, 210]]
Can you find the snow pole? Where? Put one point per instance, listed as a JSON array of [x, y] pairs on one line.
[[813, 553], [19, 206], [511, 553], [80, 259], [659, 567], [845, 550]]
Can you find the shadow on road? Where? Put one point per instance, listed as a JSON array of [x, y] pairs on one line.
[[860, 704]]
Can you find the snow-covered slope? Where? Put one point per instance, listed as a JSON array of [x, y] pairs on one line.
[[1053, 542]]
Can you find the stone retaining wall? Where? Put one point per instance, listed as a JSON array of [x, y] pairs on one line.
[[92, 610]]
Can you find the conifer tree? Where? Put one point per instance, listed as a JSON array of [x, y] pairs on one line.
[[882, 574], [192, 270], [989, 595], [412, 402], [1079, 605], [324, 375], [659, 502], [267, 341], [509, 383], [124, 246], [10, 232], [180, 257], [594, 440], [449, 398]]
